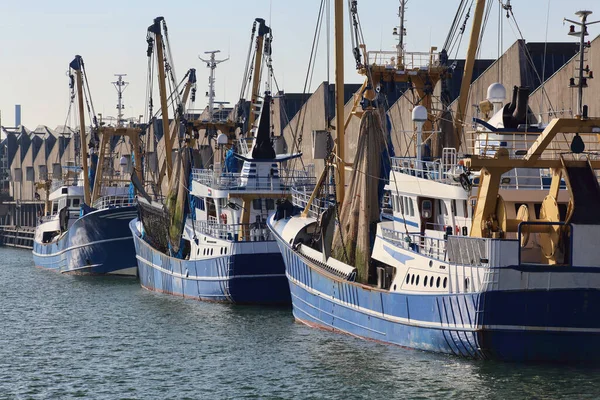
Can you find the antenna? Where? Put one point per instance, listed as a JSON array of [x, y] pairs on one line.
[[120, 85], [212, 63], [582, 80], [400, 33]]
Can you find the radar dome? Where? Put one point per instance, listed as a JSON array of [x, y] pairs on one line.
[[496, 93], [419, 114], [222, 139]]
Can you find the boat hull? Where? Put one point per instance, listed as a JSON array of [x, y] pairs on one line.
[[242, 278], [99, 243], [517, 325]]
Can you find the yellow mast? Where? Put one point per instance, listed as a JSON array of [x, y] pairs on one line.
[[77, 64], [163, 93], [339, 99], [260, 39], [173, 132], [465, 85]]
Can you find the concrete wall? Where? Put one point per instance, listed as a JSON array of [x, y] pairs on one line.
[[557, 99]]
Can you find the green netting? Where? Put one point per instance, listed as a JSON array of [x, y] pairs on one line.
[[360, 209]]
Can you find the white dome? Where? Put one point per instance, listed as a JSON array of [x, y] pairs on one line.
[[496, 93], [419, 114], [222, 139]]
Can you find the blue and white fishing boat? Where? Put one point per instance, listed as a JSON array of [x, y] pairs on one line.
[[487, 257], [85, 227], [210, 240]]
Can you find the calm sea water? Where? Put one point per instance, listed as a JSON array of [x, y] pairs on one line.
[[67, 337]]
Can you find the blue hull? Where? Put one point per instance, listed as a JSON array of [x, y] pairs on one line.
[[236, 278], [535, 325], [98, 243]]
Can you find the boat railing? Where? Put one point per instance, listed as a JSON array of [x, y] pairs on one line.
[[424, 245], [409, 61], [255, 232], [432, 170], [236, 181], [487, 143], [301, 197], [105, 202], [518, 178]]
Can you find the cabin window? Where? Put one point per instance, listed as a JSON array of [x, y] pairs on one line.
[[270, 204], [426, 209], [200, 203], [453, 207], [412, 208], [394, 201], [54, 207], [68, 202], [256, 204], [400, 204], [76, 202]]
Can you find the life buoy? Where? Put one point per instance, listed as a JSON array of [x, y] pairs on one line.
[[223, 218]]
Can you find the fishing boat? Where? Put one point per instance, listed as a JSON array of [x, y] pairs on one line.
[[488, 255], [84, 229], [209, 240]]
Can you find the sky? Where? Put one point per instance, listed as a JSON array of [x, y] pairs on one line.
[[40, 37]]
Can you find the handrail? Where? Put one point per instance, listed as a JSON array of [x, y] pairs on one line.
[[417, 243], [105, 202], [301, 197], [237, 181], [255, 232]]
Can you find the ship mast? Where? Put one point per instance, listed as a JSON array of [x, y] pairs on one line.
[[263, 30], [212, 63], [160, 57], [465, 85], [582, 80], [339, 99], [77, 65], [120, 85]]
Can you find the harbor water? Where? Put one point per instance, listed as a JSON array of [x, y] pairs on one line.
[[65, 337]]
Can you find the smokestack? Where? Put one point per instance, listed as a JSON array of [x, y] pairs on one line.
[[17, 115]]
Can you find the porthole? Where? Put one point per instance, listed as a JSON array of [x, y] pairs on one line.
[[417, 282], [445, 282], [437, 282], [225, 250], [425, 281], [430, 263], [431, 282], [412, 280], [466, 284], [394, 286], [407, 279]]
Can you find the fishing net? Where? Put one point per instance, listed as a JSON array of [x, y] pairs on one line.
[[360, 209]]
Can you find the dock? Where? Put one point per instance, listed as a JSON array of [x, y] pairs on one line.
[[17, 236]]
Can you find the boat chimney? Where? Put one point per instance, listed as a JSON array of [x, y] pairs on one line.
[[17, 115]]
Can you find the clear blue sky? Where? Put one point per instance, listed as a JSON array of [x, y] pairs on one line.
[[40, 37]]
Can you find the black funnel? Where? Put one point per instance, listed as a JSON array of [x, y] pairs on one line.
[[515, 113], [263, 148], [520, 115]]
